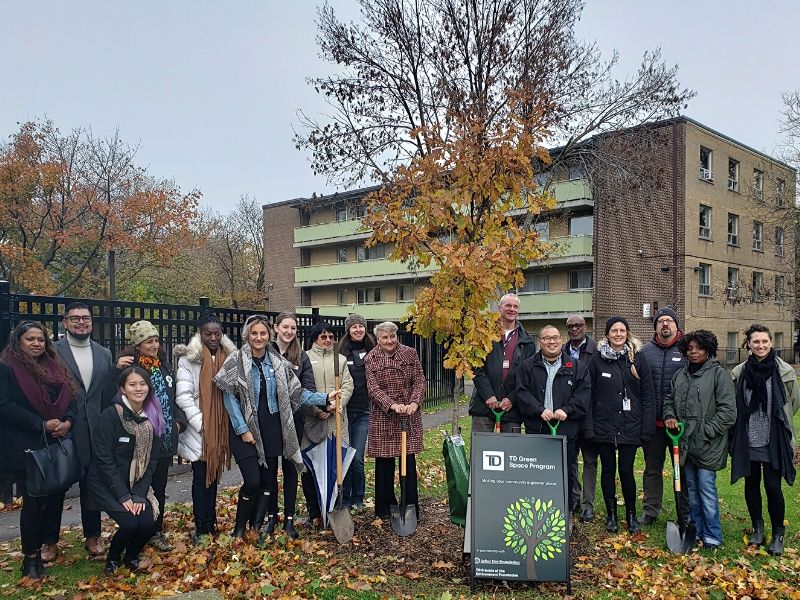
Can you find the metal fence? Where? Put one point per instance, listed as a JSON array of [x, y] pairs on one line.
[[176, 323]]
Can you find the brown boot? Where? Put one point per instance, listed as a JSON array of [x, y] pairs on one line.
[[94, 546], [49, 553]]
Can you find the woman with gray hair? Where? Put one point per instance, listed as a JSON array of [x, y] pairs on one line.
[[396, 385]]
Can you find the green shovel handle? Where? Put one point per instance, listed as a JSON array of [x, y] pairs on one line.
[[498, 414], [675, 437], [554, 428]]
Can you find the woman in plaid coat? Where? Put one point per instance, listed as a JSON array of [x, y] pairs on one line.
[[396, 384]]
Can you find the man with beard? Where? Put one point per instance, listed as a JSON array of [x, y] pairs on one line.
[[89, 364]]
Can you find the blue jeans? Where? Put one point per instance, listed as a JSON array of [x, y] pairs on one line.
[[354, 482], [701, 486]]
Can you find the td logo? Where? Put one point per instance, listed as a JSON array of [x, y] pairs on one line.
[[493, 460]]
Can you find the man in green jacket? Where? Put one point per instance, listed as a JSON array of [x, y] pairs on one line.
[[703, 397]]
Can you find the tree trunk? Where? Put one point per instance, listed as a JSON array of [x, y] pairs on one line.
[[530, 563], [458, 389]]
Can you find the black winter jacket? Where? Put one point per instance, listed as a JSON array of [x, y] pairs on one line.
[[359, 402], [606, 421], [20, 424], [663, 363], [572, 389], [587, 350], [109, 484], [489, 378]]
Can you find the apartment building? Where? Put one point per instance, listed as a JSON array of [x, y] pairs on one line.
[[712, 233]]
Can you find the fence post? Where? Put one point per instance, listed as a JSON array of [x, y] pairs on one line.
[[5, 312], [315, 315], [204, 302]]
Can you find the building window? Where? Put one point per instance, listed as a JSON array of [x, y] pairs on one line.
[[581, 225], [758, 283], [580, 279], [341, 297], [779, 344], [780, 284], [779, 241], [704, 279], [369, 295], [758, 234], [576, 172], [373, 253], [732, 351], [733, 175], [706, 165], [780, 193], [341, 212], [705, 222], [405, 292], [543, 180], [538, 282], [733, 282], [733, 229], [758, 185], [360, 211], [543, 229], [341, 255]]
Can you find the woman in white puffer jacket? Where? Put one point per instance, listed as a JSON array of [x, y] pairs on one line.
[[205, 441]]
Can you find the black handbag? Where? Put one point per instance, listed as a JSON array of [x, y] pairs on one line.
[[52, 469]]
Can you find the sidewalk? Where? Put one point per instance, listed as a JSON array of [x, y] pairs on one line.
[[179, 486]]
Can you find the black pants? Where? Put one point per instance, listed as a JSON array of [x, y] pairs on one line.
[[289, 487], [776, 505], [132, 534], [310, 492], [384, 484], [35, 514], [255, 478], [204, 499], [608, 473], [159, 486], [90, 519]]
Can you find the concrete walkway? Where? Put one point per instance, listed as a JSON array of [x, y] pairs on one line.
[[179, 486]]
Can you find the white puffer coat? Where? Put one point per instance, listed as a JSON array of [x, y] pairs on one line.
[[187, 394]]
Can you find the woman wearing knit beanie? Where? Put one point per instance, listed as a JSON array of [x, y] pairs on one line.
[[620, 416], [354, 346]]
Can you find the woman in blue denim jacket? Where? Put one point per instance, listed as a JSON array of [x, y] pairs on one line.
[[261, 395]]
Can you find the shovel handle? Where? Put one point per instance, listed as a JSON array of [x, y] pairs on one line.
[[676, 468], [338, 432], [403, 440], [498, 416]]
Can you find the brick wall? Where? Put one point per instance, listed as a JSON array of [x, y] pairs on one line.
[[280, 257]]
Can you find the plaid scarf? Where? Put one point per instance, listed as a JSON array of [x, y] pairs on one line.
[[143, 434]]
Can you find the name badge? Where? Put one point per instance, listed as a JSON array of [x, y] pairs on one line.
[[349, 362], [313, 362], [676, 358], [506, 364], [362, 354], [125, 440], [626, 403], [606, 375]]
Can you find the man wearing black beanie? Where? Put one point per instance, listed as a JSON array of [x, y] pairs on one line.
[[664, 359]]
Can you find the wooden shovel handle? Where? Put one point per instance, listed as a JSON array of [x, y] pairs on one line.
[[338, 432], [403, 437], [676, 469]]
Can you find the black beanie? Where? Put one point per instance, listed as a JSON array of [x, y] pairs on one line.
[[616, 319], [666, 312]]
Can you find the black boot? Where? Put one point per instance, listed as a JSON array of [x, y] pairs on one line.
[[612, 525], [757, 537], [260, 510], [633, 523], [288, 527], [111, 566], [272, 524], [31, 566], [776, 544], [6, 488], [244, 509]]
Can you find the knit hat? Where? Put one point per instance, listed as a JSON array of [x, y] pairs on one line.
[[140, 331], [354, 319], [616, 319], [667, 311]]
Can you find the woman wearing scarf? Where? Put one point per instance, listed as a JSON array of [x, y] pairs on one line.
[[145, 351], [35, 393], [355, 345], [204, 442], [621, 415], [763, 439], [261, 395], [126, 445]]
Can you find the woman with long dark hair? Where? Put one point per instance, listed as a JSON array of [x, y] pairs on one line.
[[36, 408], [126, 449], [145, 351], [767, 398]]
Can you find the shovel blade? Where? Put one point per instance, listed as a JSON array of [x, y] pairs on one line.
[[342, 524], [404, 519], [680, 543]]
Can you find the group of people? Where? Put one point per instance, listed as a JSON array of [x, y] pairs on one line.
[[260, 404], [611, 397]]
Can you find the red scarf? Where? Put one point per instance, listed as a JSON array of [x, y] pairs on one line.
[[657, 341], [37, 393]]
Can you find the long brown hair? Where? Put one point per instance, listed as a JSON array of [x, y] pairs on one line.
[[293, 351], [55, 375]]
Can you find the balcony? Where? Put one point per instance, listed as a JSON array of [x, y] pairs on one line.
[[355, 272], [379, 311], [555, 304], [569, 250]]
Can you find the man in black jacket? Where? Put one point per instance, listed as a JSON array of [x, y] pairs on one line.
[[553, 386], [664, 359], [496, 381]]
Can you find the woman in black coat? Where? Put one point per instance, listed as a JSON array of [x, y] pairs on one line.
[[126, 449], [145, 351], [36, 407], [621, 415]]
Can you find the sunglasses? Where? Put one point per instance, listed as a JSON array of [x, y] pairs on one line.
[[254, 318], [326, 336]]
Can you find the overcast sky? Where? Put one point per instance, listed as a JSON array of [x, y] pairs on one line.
[[210, 89]]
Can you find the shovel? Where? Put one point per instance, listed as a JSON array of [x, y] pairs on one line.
[[340, 519], [678, 541], [498, 416], [404, 516]]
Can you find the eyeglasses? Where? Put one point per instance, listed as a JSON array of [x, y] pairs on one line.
[[576, 326], [665, 321], [550, 338], [326, 336], [79, 319]]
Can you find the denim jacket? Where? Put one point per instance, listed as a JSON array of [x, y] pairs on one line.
[[235, 411]]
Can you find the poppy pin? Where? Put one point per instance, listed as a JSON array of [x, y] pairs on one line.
[[568, 365]]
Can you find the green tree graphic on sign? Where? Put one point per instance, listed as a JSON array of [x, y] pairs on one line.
[[534, 529]]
